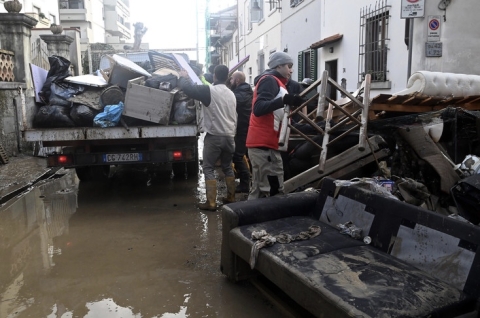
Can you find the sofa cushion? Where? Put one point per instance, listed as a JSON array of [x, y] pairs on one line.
[[328, 240], [337, 275]]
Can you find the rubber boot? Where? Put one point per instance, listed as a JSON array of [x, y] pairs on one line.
[[211, 203], [244, 175], [244, 185], [230, 182]]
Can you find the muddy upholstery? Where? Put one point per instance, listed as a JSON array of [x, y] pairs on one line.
[[418, 264]]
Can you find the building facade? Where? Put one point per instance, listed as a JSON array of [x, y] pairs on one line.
[[352, 38]]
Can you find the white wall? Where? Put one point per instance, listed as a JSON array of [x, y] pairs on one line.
[[300, 28], [459, 35], [264, 36], [344, 18]]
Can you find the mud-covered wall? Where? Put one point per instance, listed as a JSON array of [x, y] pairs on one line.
[[11, 117]]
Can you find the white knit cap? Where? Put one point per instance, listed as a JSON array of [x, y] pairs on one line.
[[279, 58]]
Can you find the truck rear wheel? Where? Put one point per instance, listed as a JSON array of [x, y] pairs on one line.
[[186, 170], [93, 173]]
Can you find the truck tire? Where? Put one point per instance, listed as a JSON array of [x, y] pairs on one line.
[[93, 173], [185, 170]]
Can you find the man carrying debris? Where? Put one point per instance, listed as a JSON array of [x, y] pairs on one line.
[[220, 123], [243, 93], [269, 98]]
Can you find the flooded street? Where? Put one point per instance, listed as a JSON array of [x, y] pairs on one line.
[[133, 247]]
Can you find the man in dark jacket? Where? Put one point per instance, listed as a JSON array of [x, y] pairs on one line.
[[243, 94], [269, 98]]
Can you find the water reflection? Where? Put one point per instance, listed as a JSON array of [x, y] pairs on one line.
[[28, 226], [122, 249]]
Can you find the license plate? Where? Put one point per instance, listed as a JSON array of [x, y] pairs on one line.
[[122, 157]]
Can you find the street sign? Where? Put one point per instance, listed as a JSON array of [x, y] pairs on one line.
[[433, 28], [413, 9], [433, 49]]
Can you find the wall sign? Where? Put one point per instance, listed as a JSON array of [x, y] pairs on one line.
[[433, 49], [433, 28], [413, 9]]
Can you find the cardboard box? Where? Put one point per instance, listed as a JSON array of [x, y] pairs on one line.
[[148, 103]]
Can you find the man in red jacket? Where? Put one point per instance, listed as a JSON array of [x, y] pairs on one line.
[[269, 98]]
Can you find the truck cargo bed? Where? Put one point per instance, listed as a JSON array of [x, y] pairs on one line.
[[96, 133]]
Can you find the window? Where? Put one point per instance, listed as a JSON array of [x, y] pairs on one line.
[[294, 3], [307, 65], [272, 4], [374, 43], [261, 63], [256, 11], [71, 4], [237, 45]]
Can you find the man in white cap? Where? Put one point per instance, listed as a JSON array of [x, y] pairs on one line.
[[269, 98]]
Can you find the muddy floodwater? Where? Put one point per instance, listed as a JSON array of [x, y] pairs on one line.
[[135, 246]]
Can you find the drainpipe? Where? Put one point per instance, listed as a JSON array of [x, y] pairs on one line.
[[17, 128], [410, 48]]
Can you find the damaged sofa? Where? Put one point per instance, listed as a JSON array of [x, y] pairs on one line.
[[418, 263]]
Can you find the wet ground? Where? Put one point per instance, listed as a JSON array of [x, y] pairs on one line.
[[135, 246]]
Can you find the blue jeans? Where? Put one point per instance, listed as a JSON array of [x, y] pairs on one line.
[[215, 147]]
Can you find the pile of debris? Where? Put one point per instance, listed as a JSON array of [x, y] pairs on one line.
[[122, 93], [423, 147]]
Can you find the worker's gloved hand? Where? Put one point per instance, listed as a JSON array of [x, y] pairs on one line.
[[293, 100]]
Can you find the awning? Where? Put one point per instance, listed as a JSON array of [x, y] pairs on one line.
[[331, 39], [238, 65]]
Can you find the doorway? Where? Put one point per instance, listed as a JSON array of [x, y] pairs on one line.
[[331, 68]]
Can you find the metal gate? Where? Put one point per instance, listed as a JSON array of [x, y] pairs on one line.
[[40, 54]]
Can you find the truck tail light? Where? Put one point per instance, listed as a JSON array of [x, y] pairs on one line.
[[177, 155], [59, 160]]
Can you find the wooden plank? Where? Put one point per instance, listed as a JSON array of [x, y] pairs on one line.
[[404, 108], [469, 99], [357, 165], [432, 101], [475, 106], [331, 165], [381, 98], [399, 99], [414, 100]]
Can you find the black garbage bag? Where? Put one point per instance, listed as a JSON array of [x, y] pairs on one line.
[[156, 80], [83, 115], [61, 92], [184, 112], [466, 194], [52, 116], [59, 70]]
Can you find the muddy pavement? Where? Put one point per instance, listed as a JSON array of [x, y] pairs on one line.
[[135, 246]]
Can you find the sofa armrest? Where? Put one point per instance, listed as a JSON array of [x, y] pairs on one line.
[[257, 211], [268, 209]]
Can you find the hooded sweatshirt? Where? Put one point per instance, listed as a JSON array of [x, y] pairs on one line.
[[267, 110]]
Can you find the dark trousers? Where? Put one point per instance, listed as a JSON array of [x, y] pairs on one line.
[[240, 166]]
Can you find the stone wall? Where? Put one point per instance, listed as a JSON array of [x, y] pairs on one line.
[[11, 125], [16, 85]]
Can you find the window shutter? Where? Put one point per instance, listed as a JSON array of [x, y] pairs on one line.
[[300, 66], [313, 64]]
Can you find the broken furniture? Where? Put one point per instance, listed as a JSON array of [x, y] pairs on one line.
[[147, 103], [415, 263], [357, 118]]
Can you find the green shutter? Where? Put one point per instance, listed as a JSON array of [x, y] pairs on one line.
[[300, 66], [313, 64]]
